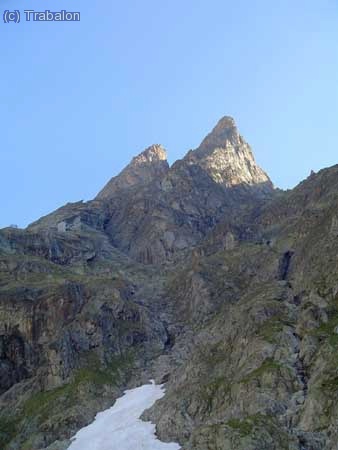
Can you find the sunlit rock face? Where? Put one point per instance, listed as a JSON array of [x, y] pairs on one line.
[[156, 212], [228, 159], [148, 166]]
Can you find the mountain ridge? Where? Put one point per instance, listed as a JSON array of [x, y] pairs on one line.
[[223, 153], [143, 168], [188, 197], [225, 291]]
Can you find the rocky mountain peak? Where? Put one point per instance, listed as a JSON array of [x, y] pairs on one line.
[[191, 280], [149, 165], [155, 152], [225, 131], [228, 159]]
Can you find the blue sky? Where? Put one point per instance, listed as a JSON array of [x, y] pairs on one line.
[[78, 100]]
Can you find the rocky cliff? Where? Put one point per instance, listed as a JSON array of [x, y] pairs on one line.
[[148, 166], [229, 160], [199, 275]]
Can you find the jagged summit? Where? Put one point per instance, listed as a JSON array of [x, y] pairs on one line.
[[228, 297], [223, 154], [155, 152], [225, 131], [228, 159], [144, 168]]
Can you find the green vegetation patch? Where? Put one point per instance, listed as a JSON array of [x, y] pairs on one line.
[[219, 388], [243, 426], [272, 327], [330, 384], [42, 406], [268, 365], [8, 429], [327, 330]]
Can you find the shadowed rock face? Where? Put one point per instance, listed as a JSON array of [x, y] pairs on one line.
[[200, 275], [173, 209], [154, 213]]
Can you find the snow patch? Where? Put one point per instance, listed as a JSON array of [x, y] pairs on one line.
[[120, 427]]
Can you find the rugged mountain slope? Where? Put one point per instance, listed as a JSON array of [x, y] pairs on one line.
[[152, 213], [200, 275], [262, 373], [150, 165], [72, 327], [228, 159]]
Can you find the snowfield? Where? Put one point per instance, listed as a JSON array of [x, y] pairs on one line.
[[120, 427]]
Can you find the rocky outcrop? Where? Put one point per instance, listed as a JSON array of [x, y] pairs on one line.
[[201, 276], [159, 219], [228, 159], [155, 213], [72, 327], [260, 372], [148, 166]]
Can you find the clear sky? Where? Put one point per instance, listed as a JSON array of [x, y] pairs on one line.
[[78, 100]]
